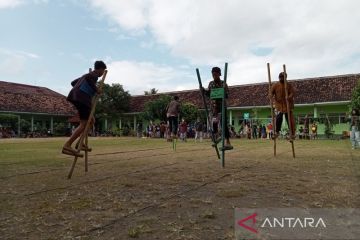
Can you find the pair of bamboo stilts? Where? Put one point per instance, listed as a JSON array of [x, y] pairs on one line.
[[83, 140], [223, 123], [287, 108]]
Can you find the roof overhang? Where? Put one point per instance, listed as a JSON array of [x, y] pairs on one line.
[[32, 113], [268, 106], [296, 105]]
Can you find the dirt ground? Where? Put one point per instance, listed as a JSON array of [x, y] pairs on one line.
[[142, 189]]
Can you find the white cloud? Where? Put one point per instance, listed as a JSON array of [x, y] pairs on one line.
[[13, 65], [16, 3], [312, 37], [129, 14], [41, 1], [27, 54], [10, 3], [138, 77], [14, 62]]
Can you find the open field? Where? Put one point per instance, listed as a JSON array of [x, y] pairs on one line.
[[141, 188]]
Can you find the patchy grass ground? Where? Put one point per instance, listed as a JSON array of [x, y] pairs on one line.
[[140, 188]]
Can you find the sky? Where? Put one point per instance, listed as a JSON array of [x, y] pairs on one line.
[[159, 43]]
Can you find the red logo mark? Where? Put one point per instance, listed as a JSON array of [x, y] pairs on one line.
[[251, 229]]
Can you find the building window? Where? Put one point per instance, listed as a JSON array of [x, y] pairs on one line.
[[343, 118], [301, 118], [333, 118]]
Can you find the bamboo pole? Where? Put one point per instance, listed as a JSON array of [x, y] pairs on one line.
[[223, 123], [86, 130], [86, 137], [213, 137], [288, 111], [271, 108]]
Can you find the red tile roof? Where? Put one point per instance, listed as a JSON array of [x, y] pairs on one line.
[[308, 91], [16, 97]]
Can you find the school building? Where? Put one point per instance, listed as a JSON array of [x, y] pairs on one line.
[[40, 107], [322, 98]]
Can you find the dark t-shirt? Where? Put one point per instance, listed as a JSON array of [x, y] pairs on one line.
[[162, 128], [355, 121], [84, 88], [199, 126], [217, 103], [173, 109], [183, 127]]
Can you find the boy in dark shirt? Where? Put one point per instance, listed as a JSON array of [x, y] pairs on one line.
[[81, 95], [216, 105], [173, 111]]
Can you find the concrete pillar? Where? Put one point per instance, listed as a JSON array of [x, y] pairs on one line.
[[106, 125], [32, 123], [19, 127], [52, 125], [230, 117], [207, 124], [134, 122], [120, 123], [315, 112]]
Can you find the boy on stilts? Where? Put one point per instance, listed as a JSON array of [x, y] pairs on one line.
[[216, 105], [278, 93], [81, 95], [173, 111]]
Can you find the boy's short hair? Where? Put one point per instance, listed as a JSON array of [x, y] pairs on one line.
[[282, 74], [216, 69], [99, 65]]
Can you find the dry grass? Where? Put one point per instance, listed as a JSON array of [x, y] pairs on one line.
[[130, 192]]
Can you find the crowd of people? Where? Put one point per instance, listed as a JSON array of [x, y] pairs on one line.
[[162, 130], [7, 132], [199, 130]]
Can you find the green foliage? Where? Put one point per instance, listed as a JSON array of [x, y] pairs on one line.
[[117, 132], [37, 127], [189, 112], [156, 109], [126, 131], [60, 129], [8, 120], [113, 102], [355, 99], [25, 126], [328, 127], [151, 92]]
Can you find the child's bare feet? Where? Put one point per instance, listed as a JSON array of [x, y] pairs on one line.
[[68, 150]]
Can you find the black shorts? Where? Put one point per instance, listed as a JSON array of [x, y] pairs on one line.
[[84, 111], [173, 124]]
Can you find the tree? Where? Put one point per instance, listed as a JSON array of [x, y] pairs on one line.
[[60, 129], [189, 112], [151, 92], [156, 109], [113, 101], [25, 126], [8, 120], [355, 99], [328, 127]]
